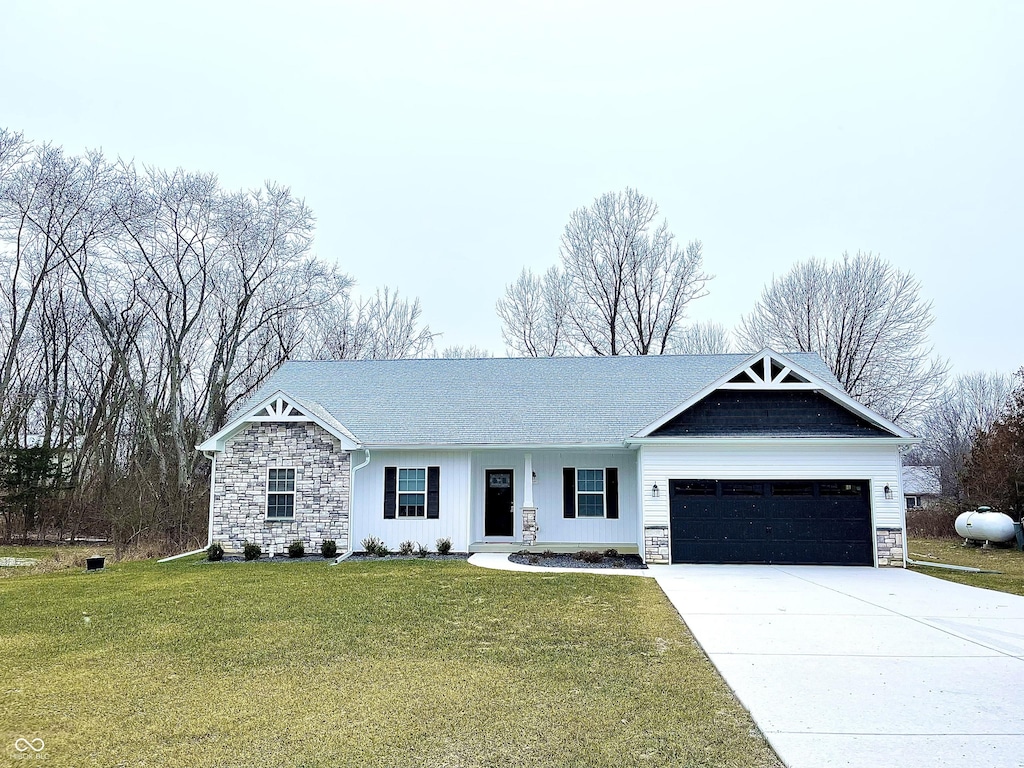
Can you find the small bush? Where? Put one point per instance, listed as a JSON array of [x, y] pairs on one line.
[[329, 548], [534, 559], [374, 546], [215, 553], [589, 556], [251, 551], [444, 546], [422, 550], [611, 552], [297, 549], [406, 548], [548, 553]]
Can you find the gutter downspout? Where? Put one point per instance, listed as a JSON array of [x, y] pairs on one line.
[[964, 568], [351, 497], [212, 456]]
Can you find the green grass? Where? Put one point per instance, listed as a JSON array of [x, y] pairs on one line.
[[415, 663], [952, 551]]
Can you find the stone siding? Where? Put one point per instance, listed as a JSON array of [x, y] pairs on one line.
[[322, 477], [529, 526], [656, 544], [889, 542]]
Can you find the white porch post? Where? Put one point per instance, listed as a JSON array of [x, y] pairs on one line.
[[529, 510]]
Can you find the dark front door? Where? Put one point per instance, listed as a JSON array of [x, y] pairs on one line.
[[498, 503], [793, 522]]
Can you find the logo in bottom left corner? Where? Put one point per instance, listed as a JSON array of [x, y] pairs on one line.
[[29, 748]]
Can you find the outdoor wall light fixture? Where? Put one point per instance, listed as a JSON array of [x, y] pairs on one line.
[[888, 492], [534, 477], [654, 490]]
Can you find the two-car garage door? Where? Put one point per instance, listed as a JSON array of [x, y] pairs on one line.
[[796, 522]]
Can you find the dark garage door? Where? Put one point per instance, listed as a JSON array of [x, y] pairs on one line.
[[794, 522]]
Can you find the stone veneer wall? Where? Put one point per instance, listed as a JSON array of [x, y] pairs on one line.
[[656, 544], [322, 477], [529, 525], [890, 547]]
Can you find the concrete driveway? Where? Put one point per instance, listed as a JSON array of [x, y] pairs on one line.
[[863, 667]]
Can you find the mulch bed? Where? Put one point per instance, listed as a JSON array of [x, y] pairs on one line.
[[552, 560]]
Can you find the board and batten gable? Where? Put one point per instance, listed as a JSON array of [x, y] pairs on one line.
[[780, 459], [368, 500], [239, 495]]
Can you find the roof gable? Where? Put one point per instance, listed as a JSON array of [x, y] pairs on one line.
[[280, 407], [769, 370]]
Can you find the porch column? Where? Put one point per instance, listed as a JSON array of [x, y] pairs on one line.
[[529, 510]]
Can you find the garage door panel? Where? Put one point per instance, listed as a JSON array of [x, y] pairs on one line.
[[764, 521]]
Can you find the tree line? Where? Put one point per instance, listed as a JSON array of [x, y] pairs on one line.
[[139, 306]]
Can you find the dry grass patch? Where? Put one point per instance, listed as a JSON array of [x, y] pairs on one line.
[[1009, 562], [416, 663]]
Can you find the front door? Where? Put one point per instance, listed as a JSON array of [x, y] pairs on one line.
[[499, 504]]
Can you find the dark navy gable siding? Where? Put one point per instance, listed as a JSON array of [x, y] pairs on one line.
[[768, 413]]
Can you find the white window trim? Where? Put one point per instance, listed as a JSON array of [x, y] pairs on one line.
[[603, 493], [398, 493], [266, 500]]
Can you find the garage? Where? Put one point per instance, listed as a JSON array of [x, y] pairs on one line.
[[784, 522]]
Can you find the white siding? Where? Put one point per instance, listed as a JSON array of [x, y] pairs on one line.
[[783, 460], [547, 494], [368, 500]]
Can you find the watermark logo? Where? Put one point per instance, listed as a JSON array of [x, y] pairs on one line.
[[30, 749]]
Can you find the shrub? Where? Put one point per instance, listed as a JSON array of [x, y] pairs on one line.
[[215, 552], [297, 549], [406, 548], [374, 546], [548, 553], [534, 559], [251, 551], [444, 546], [589, 556], [329, 548], [422, 550], [611, 552]]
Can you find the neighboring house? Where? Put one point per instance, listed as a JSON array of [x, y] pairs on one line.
[[704, 458], [921, 486]]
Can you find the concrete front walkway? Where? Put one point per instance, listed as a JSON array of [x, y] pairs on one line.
[[863, 667]]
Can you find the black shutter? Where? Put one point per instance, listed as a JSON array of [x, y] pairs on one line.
[[433, 493], [611, 492], [390, 492], [568, 492]]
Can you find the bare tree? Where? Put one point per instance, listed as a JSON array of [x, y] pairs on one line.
[[533, 314], [622, 288], [459, 352], [868, 322], [703, 338], [966, 408]]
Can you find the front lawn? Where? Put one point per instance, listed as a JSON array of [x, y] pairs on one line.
[[952, 551], [376, 664]]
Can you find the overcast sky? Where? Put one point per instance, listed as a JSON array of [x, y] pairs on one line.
[[443, 146]]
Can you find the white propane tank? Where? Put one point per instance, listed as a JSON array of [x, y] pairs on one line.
[[985, 525]]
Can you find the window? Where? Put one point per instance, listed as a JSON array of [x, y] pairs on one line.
[[694, 487], [590, 492], [793, 488], [841, 489], [913, 502], [412, 492], [742, 489], [280, 493]]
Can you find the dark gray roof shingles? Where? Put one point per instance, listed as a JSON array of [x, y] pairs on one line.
[[550, 401]]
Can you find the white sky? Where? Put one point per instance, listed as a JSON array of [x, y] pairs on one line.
[[443, 146]]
